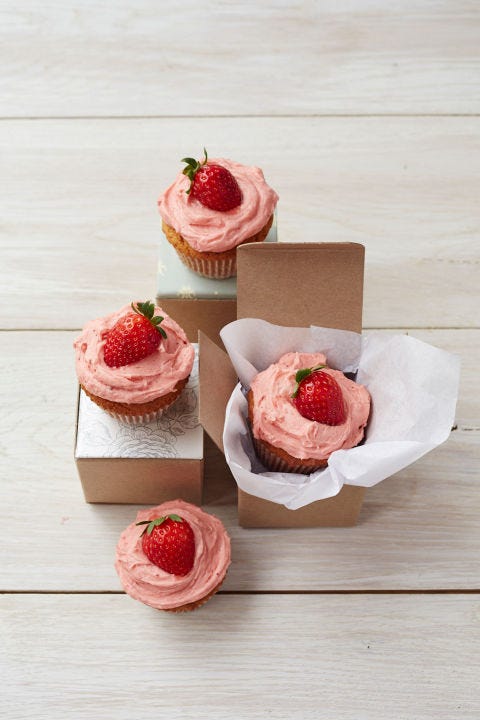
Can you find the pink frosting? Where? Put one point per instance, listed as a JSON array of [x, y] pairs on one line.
[[139, 382], [213, 231], [277, 420], [153, 586]]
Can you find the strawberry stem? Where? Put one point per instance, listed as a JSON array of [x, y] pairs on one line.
[[192, 167], [301, 375], [151, 524], [147, 309]]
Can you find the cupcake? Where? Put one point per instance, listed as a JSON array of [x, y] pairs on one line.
[[133, 363], [212, 207], [301, 411], [174, 557]]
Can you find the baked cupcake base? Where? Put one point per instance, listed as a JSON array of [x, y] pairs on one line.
[[279, 460], [138, 412], [194, 605], [218, 265]]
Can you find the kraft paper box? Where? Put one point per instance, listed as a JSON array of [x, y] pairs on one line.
[[195, 302], [143, 464], [413, 387], [294, 285]]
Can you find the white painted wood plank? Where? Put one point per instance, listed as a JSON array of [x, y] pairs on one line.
[[418, 530], [139, 58], [292, 657], [80, 228]]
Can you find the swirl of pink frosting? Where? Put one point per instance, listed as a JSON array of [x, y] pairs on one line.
[[209, 230], [277, 420], [148, 583], [139, 382]]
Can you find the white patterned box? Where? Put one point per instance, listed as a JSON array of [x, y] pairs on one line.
[[142, 464]]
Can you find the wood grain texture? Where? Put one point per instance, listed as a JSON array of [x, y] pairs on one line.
[[283, 86], [252, 657], [418, 529], [80, 228], [124, 58]]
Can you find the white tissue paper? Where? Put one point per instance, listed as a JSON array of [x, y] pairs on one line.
[[413, 387]]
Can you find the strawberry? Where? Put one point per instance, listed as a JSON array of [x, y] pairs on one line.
[[212, 184], [134, 336], [169, 543], [318, 396]]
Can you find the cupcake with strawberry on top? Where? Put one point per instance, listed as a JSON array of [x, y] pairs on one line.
[[133, 363], [301, 411], [212, 207], [174, 557]]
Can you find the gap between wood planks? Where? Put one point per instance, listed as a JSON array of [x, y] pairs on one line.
[[239, 116]]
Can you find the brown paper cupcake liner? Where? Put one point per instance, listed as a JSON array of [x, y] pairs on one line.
[[276, 463], [137, 419], [136, 414], [216, 265], [217, 269], [277, 459]]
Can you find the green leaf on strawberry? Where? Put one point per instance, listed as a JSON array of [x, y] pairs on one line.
[[192, 167], [151, 524], [302, 374], [213, 185], [147, 309], [318, 396], [134, 336], [172, 547]]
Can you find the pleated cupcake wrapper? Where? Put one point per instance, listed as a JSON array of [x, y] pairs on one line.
[[137, 419], [219, 269], [274, 463]]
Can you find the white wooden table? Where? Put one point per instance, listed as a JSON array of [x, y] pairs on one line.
[[365, 118]]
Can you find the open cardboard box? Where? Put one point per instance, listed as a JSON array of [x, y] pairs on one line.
[[196, 302], [142, 464], [294, 285]]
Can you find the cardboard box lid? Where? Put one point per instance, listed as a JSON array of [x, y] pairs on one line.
[[302, 284], [290, 284]]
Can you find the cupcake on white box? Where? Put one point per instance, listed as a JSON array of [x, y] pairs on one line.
[[133, 363]]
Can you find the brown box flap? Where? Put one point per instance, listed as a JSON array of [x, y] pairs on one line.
[[194, 314], [217, 379], [302, 284]]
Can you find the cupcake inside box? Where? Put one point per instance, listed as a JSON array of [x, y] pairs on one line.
[[294, 285], [148, 463], [196, 302]]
